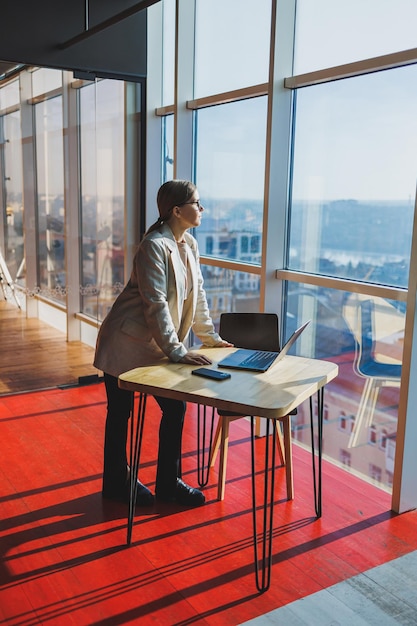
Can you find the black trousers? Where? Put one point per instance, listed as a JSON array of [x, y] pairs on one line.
[[119, 403]]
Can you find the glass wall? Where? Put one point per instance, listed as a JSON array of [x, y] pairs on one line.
[[10, 140], [354, 177], [230, 173], [79, 172], [168, 52], [349, 196], [230, 170], [351, 216], [231, 45], [102, 195], [45, 80], [341, 194], [332, 33], [10, 95], [50, 198]]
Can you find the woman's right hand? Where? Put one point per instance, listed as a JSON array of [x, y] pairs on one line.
[[195, 358]]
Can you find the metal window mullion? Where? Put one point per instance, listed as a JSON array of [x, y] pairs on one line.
[[184, 88], [349, 70]]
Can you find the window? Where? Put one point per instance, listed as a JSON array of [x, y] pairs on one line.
[[372, 435], [230, 172], [343, 421], [346, 422], [354, 178], [375, 472], [383, 439], [10, 141], [44, 80], [345, 457], [10, 95], [168, 52], [102, 195], [209, 245], [255, 245], [351, 182], [231, 45], [50, 199], [332, 33], [167, 148]]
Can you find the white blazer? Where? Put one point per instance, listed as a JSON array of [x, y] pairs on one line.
[[146, 321]]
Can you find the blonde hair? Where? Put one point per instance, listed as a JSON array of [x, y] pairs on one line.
[[170, 194]]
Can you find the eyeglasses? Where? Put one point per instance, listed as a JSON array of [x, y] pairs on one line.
[[196, 202]]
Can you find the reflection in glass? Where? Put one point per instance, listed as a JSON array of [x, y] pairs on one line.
[[13, 234], [50, 198], [330, 33], [354, 178], [231, 45], [102, 195], [230, 171], [358, 432]]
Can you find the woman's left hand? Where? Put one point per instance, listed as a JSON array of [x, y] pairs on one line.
[[225, 344]]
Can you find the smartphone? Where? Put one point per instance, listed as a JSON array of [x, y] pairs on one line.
[[206, 373]]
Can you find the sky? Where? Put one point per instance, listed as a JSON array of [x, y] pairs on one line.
[[355, 138]]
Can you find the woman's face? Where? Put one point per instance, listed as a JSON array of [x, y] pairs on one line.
[[190, 212]]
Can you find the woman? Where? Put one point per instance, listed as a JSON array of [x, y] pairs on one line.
[[163, 300]]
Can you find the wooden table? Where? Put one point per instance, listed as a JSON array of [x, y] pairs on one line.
[[272, 395]]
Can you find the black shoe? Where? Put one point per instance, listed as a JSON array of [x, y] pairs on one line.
[[144, 497], [183, 494]]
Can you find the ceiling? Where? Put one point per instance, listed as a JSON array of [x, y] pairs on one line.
[[102, 37]]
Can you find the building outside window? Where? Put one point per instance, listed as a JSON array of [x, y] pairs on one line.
[[345, 458]]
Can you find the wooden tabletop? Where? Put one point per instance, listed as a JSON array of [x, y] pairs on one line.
[[269, 394]]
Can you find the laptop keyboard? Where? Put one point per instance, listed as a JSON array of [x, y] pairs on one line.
[[259, 358]]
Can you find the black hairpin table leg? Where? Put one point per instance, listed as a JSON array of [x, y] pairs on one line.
[[204, 435], [136, 436], [263, 561], [317, 458]]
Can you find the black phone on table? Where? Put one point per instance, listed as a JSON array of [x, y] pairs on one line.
[[207, 373]]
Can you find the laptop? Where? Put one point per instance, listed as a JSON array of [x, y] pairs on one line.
[[259, 360]]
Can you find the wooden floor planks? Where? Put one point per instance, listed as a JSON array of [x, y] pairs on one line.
[[35, 355]]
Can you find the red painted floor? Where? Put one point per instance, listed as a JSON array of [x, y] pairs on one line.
[[64, 558]]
